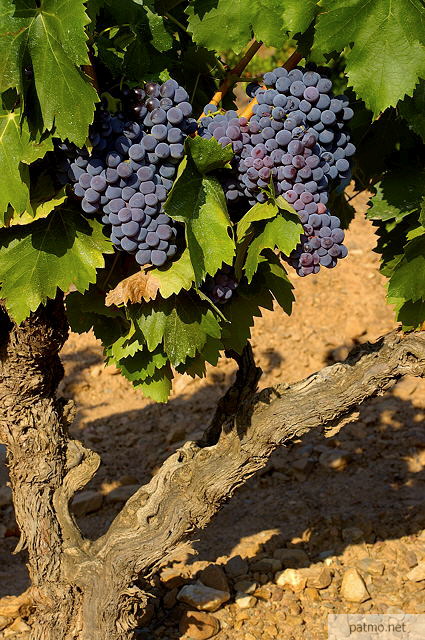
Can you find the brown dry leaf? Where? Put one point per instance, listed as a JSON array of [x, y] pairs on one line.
[[140, 286]]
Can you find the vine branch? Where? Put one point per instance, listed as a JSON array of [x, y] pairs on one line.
[[290, 64], [230, 76], [194, 483]]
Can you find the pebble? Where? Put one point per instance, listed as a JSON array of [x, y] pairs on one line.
[[319, 578], [15, 606], [246, 586], [198, 625], [19, 626], [202, 597], [292, 578], [245, 601], [236, 566], [213, 576], [353, 587], [5, 496], [266, 565], [86, 502], [170, 598], [372, 566], [171, 578], [418, 573], [4, 621], [335, 460], [292, 558], [122, 494], [352, 534]]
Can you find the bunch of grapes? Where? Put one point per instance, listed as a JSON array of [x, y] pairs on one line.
[[296, 143], [220, 288], [130, 167]]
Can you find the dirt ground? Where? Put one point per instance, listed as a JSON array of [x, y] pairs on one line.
[[354, 500]]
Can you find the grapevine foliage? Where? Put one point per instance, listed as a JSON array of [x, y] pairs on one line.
[[169, 244]]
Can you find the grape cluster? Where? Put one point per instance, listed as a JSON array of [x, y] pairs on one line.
[[220, 288], [298, 144], [130, 169]]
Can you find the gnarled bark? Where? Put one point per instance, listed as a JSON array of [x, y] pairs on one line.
[[87, 590]]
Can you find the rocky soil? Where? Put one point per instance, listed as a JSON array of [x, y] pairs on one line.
[[331, 525]]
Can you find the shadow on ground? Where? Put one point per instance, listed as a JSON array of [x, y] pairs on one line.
[[369, 476]]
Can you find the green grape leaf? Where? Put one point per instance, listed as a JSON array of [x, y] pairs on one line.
[[243, 307], [408, 279], [158, 386], [197, 366], [297, 14], [199, 202], [207, 155], [175, 276], [387, 55], [52, 38], [398, 195], [161, 39], [282, 232], [63, 250], [142, 364], [14, 175], [276, 280], [255, 214], [340, 206], [411, 314], [87, 311], [413, 110], [37, 211], [220, 24], [180, 323]]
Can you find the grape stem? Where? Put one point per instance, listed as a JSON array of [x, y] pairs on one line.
[[290, 64], [90, 71], [176, 22], [234, 74]]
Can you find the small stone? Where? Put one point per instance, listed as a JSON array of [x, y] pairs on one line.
[[19, 626], [202, 597], [176, 434], [371, 566], [353, 587], [293, 621], [4, 622], [213, 576], [86, 502], [170, 598], [312, 594], [5, 496], [249, 636], [245, 601], [236, 566], [246, 586], [292, 558], [122, 494], [198, 625], [335, 460], [352, 534], [147, 615], [15, 606], [125, 480], [171, 578], [319, 578], [292, 578], [418, 573], [266, 565]]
